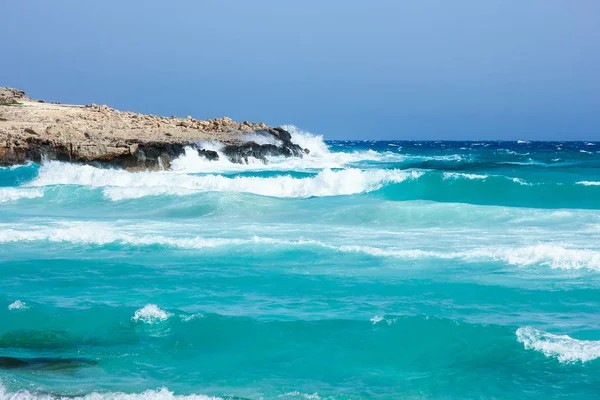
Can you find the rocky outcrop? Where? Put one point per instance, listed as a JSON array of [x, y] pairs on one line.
[[100, 135], [12, 96]]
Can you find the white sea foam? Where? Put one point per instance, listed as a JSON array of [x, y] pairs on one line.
[[456, 175], [18, 305], [553, 255], [296, 394], [520, 181], [261, 139], [119, 184], [306, 140], [190, 317], [151, 314], [319, 156], [161, 394], [459, 175], [381, 319], [562, 347], [12, 194], [589, 183], [98, 234], [17, 166]]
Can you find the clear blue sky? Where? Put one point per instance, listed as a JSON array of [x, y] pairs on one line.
[[377, 69]]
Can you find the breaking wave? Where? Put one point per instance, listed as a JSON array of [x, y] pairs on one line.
[[18, 305], [553, 255], [562, 347], [119, 184], [589, 183], [160, 394], [151, 314], [12, 194], [319, 156]]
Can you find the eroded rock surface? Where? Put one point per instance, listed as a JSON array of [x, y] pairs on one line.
[[97, 134]]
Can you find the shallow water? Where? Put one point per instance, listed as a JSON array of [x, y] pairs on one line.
[[364, 270]]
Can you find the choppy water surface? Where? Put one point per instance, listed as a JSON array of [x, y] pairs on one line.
[[364, 270]]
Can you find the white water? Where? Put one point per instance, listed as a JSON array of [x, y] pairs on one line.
[[562, 347], [319, 157], [119, 184], [151, 314], [551, 254], [160, 394], [11, 194], [18, 305], [589, 183]]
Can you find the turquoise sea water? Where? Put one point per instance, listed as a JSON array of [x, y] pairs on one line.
[[452, 270]]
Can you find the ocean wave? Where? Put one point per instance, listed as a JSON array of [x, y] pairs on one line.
[[553, 255], [459, 175], [8, 194], [562, 347], [17, 166], [151, 314], [98, 234], [160, 394], [119, 184]]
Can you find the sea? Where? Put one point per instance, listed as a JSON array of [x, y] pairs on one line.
[[364, 270]]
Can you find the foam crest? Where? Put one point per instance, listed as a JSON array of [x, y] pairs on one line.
[[589, 183], [190, 317], [97, 234], [307, 140], [161, 394], [8, 194], [119, 184], [151, 314], [18, 305], [17, 166], [299, 395], [457, 175], [383, 320], [552, 255], [562, 347]]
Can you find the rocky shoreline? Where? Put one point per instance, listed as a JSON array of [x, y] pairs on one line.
[[33, 130]]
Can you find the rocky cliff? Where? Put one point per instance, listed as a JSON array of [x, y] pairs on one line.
[[93, 134]]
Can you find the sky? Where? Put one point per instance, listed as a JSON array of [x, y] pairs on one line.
[[378, 69]]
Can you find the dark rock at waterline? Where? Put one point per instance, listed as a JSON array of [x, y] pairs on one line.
[[143, 155], [240, 153], [11, 362], [208, 154], [132, 155], [43, 363]]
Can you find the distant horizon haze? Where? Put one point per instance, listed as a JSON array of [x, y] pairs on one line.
[[354, 70]]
